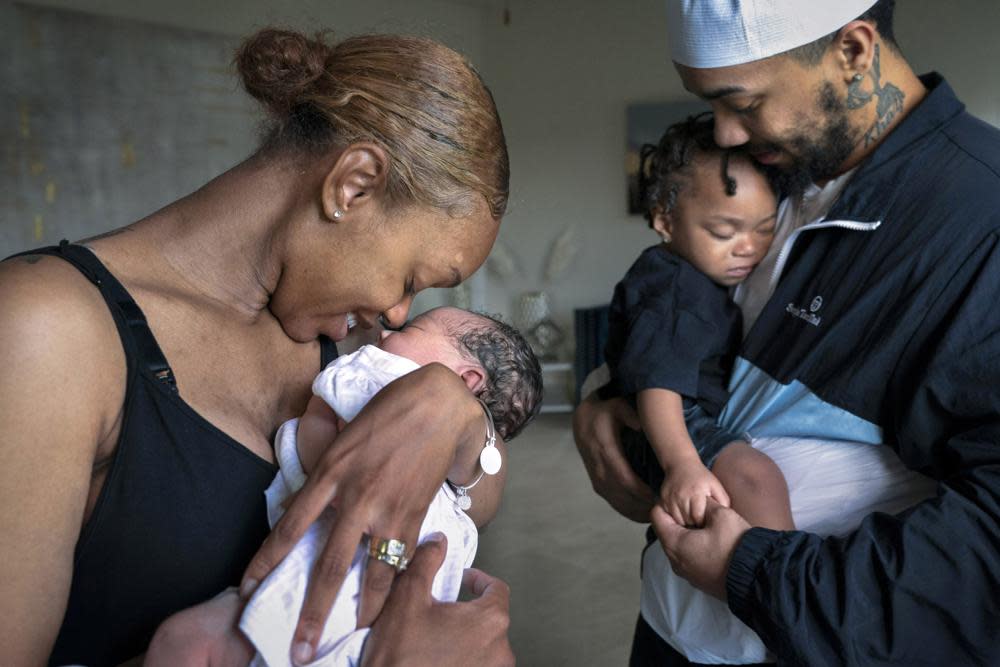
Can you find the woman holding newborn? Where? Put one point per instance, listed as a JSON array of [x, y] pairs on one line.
[[149, 368]]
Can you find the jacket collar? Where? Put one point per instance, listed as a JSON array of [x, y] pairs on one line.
[[875, 186]]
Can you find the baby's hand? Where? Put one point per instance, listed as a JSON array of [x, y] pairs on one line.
[[686, 490], [207, 634]]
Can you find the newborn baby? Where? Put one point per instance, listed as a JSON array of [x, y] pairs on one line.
[[498, 367]]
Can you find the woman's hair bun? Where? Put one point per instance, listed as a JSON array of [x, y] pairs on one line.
[[278, 66]]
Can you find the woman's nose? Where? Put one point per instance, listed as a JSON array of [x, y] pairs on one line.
[[395, 317]]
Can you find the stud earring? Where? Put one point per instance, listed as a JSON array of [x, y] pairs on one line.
[[338, 214], [858, 77]]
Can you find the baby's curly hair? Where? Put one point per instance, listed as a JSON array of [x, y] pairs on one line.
[[664, 168], [513, 387]]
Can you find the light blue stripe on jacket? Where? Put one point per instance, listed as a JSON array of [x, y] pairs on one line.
[[763, 407]]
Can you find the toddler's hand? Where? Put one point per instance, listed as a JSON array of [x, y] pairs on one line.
[[686, 489]]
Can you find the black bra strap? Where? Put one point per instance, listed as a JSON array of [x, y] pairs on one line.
[[148, 350], [327, 351], [114, 292]]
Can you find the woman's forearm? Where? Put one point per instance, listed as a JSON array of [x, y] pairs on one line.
[[465, 468]]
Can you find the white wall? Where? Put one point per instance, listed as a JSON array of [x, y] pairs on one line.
[[562, 73]]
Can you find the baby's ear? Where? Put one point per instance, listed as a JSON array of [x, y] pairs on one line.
[[474, 378], [663, 224]]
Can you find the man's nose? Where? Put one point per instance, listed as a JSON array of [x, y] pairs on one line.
[[729, 130]]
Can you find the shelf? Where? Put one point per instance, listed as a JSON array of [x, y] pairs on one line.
[[557, 376]]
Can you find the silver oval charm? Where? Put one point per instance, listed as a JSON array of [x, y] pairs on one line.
[[463, 502], [490, 460]]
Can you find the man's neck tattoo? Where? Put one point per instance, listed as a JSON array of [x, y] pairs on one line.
[[888, 106]]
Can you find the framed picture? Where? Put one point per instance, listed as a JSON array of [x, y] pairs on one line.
[[645, 124]]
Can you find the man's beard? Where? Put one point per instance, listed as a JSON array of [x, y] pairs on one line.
[[817, 158]]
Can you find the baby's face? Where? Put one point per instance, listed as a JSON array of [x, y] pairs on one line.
[[425, 339]]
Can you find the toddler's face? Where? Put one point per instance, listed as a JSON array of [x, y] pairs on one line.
[[723, 237]]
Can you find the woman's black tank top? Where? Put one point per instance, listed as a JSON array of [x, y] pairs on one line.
[[181, 512]]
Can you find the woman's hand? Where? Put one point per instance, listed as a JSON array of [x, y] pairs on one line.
[[596, 428], [415, 630], [380, 475]]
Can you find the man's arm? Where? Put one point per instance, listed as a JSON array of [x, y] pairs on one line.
[[596, 428]]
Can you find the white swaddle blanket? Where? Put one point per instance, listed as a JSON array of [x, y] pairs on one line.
[[832, 485], [271, 615]]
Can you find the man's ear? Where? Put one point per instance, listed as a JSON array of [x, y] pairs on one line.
[[474, 378], [663, 224], [357, 178], [854, 49]]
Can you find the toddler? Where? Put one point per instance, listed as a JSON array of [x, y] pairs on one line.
[[674, 330]]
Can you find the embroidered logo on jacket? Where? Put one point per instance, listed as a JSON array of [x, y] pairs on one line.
[[809, 315]]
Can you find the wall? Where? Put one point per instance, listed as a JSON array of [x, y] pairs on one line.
[[457, 23], [151, 80], [562, 73]]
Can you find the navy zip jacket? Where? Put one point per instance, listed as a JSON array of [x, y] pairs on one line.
[[885, 328]]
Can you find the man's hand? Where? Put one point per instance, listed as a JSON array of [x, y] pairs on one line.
[[701, 555], [416, 630], [596, 428]]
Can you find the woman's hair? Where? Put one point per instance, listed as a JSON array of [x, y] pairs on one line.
[[665, 168], [513, 387], [423, 103]]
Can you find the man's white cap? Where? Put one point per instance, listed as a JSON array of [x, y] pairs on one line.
[[720, 33]]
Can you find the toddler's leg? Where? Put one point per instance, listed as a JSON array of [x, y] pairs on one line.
[[756, 487]]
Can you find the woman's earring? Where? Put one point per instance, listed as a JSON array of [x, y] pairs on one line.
[[338, 214], [858, 77]]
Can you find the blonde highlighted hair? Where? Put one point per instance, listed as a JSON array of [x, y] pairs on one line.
[[423, 103]]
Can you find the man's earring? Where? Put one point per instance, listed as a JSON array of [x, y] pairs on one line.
[[857, 98], [338, 214]]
